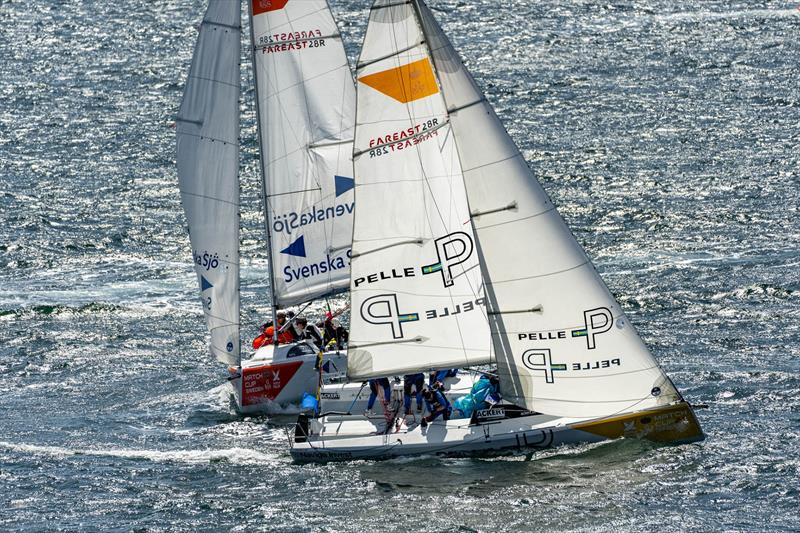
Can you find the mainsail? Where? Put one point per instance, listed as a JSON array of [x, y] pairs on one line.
[[561, 342], [208, 166], [416, 288], [306, 107]]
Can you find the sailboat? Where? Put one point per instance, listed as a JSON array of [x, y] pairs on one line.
[[460, 258], [305, 99]]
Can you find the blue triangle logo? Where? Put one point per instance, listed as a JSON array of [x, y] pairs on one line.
[[343, 184], [204, 284], [297, 248]]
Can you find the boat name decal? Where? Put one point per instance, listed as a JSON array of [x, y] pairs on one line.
[[287, 222], [294, 40], [329, 396], [399, 140], [384, 309], [329, 264], [451, 250], [596, 322], [541, 359], [492, 413], [207, 260]]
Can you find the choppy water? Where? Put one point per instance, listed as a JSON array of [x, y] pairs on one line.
[[666, 131]]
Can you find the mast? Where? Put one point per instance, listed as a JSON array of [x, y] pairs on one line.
[[264, 196]]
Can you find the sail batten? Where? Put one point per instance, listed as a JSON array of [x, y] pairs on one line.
[[306, 108], [208, 172]]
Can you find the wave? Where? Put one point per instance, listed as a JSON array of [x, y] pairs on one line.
[[699, 16], [231, 455]]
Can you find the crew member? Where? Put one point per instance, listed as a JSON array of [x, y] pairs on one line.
[[440, 375], [437, 405], [308, 331], [373, 392], [417, 383], [334, 332], [268, 332]]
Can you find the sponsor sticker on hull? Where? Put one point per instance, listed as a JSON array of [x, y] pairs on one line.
[[264, 383]]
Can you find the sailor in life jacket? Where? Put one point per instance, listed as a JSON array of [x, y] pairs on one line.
[[287, 336], [308, 331], [373, 393], [437, 404], [414, 382]]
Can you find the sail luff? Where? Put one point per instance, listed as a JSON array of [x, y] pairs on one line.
[[264, 197], [207, 153], [306, 98], [562, 343]]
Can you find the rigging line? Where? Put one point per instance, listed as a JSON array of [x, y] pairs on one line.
[[418, 241], [293, 192], [214, 80], [539, 275], [420, 133], [225, 320], [187, 193], [516, 219], [212, 139], [396, 53], [220, 24]]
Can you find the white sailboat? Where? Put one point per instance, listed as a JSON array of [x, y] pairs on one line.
[[305, 98], [460, 258]]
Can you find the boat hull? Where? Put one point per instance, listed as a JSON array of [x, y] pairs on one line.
[[338, 439]]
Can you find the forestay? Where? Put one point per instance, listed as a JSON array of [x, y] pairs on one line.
[[416, 289], [208, 164], [306, 107], [562, 343]]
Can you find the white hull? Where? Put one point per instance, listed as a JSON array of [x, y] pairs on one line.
[[351, 438], [274, 381]]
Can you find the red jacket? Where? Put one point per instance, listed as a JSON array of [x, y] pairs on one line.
[[265, 338]]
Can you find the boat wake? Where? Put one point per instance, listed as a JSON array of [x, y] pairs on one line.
[[230, 455]]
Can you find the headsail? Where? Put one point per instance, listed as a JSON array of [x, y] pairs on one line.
[[416, 289], [208, 171], [306, 108], [562, 343]]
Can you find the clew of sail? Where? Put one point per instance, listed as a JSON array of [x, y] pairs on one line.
[[562, 343], [208, 164], [416, 288], [306, 109]]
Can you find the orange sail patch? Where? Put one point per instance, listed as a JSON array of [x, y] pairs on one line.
[[262, 6], [405, 83]]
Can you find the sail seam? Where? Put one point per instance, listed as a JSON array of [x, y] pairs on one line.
[[539, 275], [406, 139], [359, 66], [517, 154]]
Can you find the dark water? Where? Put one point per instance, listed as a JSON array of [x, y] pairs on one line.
[[667, 132]]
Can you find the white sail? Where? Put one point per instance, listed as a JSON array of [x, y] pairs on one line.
[[306, 108], [563, 345], [208, 165], [416, 288]]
